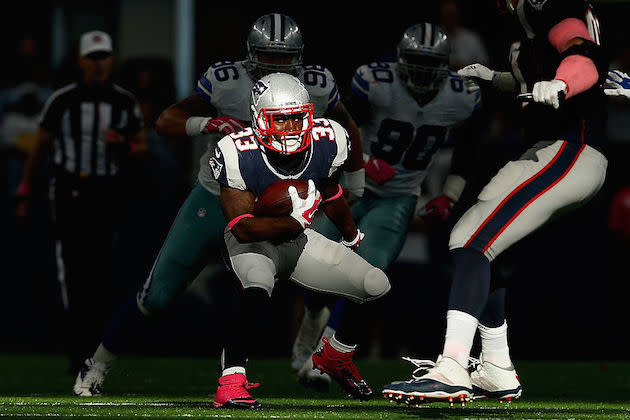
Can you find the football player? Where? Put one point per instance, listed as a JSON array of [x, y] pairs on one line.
[[285, 142], [219, 105], [560, 60], [406, 111]]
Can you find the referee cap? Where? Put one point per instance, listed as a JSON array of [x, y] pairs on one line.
[[94, 41]]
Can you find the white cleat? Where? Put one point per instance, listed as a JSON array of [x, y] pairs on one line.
[[445, 380], [308, 337], [313, 378], [89, 382], [492, 381]]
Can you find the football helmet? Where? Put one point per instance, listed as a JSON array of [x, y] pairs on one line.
[[423, 57], [282, 113], [274, 44]]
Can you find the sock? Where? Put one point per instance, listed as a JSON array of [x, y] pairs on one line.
[[328, 332], [102, 355], [339, 346], [471, 281], [240, 332], [494, 345], [336, 314], [122, 332], [232, 370], [460, 333]]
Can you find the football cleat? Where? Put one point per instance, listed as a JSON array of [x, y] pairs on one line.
[[340, 366], [308, 337], [89, 382], [444, 380], [312, 378], [491, 381], [232, 392]]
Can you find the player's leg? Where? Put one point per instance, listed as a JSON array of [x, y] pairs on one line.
[[494, 375], [196, 235], [524, 195], [319, 321], [329, 267], [255, 267]]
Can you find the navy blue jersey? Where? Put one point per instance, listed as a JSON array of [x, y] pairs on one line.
[[580, 118], [239, 160]]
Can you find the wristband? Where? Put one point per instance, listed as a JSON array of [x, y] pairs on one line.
[[195, 125], [234, 221], [336, 196], [353, 242]]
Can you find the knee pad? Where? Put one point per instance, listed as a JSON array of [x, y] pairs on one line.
[[376, 283]]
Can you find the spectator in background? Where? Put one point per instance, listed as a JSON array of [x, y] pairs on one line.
[[92, 125], [467, 46]]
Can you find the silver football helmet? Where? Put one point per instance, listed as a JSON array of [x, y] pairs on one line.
[[423, 57], [281, 113], [274, 44]]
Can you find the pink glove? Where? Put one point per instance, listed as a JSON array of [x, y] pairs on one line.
[[224, 125], [439, 206], [379, 170]]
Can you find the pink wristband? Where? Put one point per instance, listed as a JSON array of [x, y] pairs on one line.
[[336, 196], [236, 219]]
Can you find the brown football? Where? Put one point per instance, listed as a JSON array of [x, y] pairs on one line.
[[275, 200]]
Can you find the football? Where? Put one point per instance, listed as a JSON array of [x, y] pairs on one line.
[[275, 200]]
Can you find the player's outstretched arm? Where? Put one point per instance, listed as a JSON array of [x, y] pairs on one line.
[[238, 209], [174, 120], [354, 174], [480, 74]]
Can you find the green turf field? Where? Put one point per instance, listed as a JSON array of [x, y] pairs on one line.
[[36, 386]]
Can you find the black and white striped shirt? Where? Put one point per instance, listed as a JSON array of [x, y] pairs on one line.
[[78, 116]]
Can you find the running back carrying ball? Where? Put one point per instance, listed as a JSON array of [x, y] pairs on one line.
[[275, 200]]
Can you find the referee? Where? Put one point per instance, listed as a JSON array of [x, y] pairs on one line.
[[88, 128]]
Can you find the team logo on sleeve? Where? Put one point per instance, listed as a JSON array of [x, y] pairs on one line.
[[537, 4], [216, 167]]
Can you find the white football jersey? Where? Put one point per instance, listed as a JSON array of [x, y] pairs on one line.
[[227, 86], [403, 133]]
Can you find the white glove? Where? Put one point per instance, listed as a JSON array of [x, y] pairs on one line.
[[477, 71], [617, 84], [548, 92], [304, 209]]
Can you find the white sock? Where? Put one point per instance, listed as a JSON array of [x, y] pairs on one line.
[[232, 370], [494, 345], [460, 333], [102, 355], [328, 332], [339, 346]]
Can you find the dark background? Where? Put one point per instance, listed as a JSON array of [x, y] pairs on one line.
[[568, 283]]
